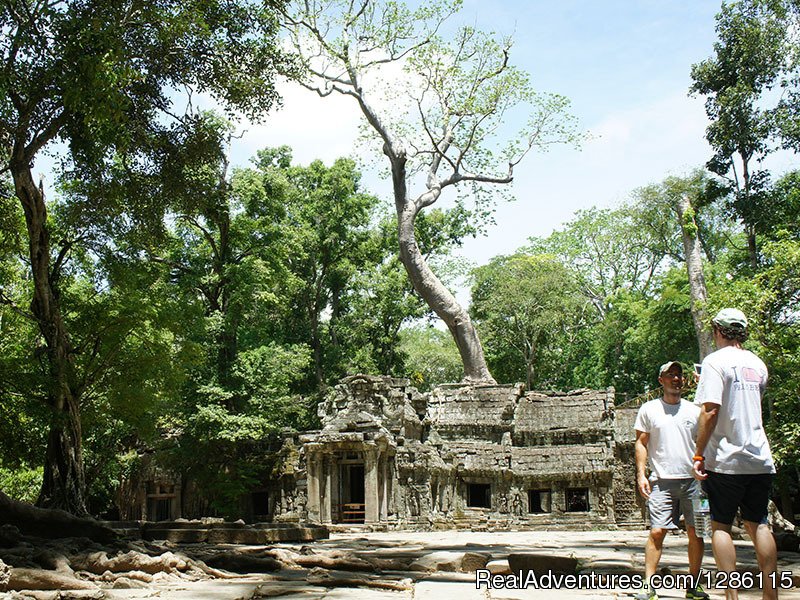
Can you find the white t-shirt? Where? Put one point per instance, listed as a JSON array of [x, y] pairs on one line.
[[735, 379], [672, 429]]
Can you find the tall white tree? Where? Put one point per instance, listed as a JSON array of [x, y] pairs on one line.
[[437, 104]]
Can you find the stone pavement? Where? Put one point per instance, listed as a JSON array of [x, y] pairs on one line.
[[606, 552]]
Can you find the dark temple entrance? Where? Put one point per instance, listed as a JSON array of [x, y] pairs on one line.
[[351, 491]]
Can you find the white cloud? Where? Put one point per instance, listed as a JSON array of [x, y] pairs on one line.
[[314, 127], [630, 148]]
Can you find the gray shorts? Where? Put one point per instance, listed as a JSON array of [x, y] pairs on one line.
[[669, 499]]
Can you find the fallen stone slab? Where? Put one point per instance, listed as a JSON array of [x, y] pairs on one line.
[[542, 564], [231, 535], [224, 532], [472, 561], [444, 560], [243, 563], [297, 533], [623, 565], [499, 567]]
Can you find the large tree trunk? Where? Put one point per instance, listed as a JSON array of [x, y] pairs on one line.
[[694, 268], [441, 301], [752, 247], [64, 485]]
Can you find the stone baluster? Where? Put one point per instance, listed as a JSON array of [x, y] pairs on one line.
[[325, 486], [312, 474], [371, 486]]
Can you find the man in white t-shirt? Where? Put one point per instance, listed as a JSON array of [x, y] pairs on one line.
[[732, 456], [665, 433]]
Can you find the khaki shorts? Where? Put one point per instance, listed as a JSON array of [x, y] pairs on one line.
[[669, 499]]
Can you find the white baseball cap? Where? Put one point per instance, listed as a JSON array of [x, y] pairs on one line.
[[667, 365], [731, 317]]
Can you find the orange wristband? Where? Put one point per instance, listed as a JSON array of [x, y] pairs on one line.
[[698, 457]]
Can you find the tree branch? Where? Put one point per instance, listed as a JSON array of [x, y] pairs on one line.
[[7, 301], [206, 234]]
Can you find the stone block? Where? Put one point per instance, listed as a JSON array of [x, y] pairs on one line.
[[542, 564], [244, 563], [178, 536], [498, 567], [438, 561], [472, 561], [236, 536], [296, 533]]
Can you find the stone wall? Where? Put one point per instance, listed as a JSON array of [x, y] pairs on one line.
[[462, 456]]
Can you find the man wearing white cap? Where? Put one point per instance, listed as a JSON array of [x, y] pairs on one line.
[[665, 433], [732, 456]]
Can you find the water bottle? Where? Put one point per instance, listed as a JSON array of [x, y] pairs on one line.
[[702, 512]]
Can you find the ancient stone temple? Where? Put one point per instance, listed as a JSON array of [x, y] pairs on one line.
[[460, 456]]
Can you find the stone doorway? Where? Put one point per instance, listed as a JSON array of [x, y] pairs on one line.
[[352, 508]]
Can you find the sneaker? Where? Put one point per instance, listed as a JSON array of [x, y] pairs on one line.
[[648, 593], [697, 593]]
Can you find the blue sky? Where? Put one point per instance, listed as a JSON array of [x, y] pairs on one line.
[[625, 65]]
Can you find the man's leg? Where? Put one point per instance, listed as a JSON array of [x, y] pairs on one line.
[[652, 552], [696, 549], [767, 555], [725, 493], [754, 513], [664, 510], [724, 553], [695, 590]]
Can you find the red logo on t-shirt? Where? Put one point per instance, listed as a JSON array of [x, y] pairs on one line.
[[751, 375]]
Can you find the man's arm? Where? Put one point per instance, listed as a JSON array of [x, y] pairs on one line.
[[705, 427], [640, 448]]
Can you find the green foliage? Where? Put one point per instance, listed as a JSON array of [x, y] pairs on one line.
[[527, 308], [101, 76], [292, 278], [656, 329], [609, 250], [207, 309], [774, 294], [431, 356], [121, 72], [782, 213], [21, 483], [755, 55], [266, 375]]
